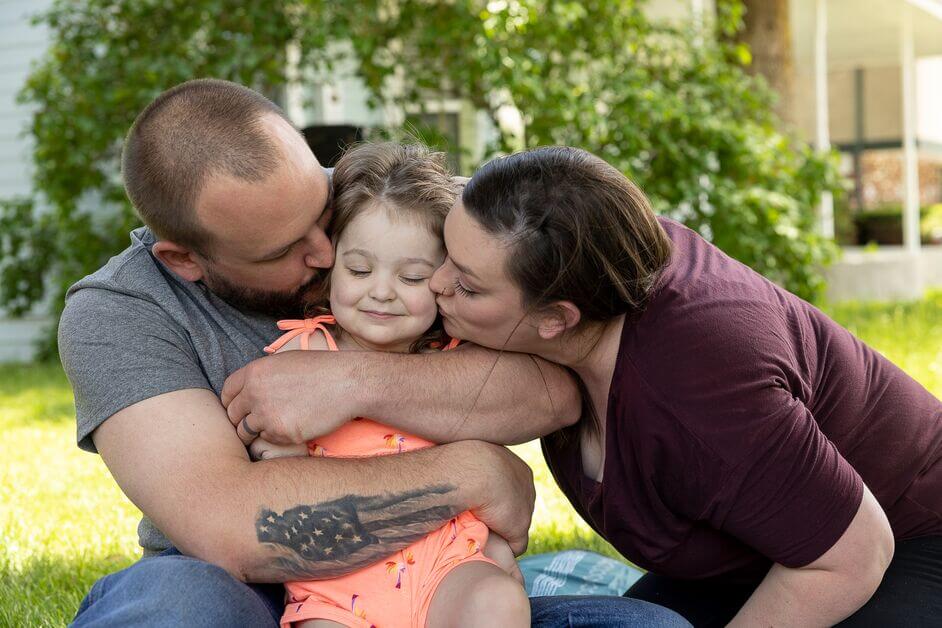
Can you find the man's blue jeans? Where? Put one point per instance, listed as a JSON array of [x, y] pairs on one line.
[[174, 590]]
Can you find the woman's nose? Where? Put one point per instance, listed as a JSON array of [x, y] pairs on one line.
[[439, 283]]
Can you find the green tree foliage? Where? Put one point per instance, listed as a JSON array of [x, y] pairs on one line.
[[669, 105]]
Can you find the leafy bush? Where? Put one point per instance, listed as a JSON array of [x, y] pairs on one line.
[[669, 106], [931, 224]]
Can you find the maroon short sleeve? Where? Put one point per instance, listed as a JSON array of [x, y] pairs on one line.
[[742, 425], [766, 475], [793, 495]]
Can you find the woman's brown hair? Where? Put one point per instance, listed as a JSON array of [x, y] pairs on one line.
[[409, 180], [576, 228]]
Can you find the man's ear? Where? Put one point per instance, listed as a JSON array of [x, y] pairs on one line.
[[557, 318], [179, 259]]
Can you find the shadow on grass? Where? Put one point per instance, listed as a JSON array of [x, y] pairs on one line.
[[47, 592], [35, 393], [554, 538]]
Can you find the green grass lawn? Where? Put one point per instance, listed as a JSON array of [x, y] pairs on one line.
[[64, 523]]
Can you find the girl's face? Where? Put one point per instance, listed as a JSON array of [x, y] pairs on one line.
[[379, 286], [477, 300]]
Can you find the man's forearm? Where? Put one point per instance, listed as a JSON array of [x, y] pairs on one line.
[[191, 475], [469, 393], [314, 518]]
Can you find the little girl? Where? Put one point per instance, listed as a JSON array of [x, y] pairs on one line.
[[390, 203]]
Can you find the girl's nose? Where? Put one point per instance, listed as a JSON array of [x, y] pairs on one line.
[[381, 291]]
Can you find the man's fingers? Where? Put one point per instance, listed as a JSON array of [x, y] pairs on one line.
[[246, 431], [232, 387], [237, 409], [519, 546], [256, 449]]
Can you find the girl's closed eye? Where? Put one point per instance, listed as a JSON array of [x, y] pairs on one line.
[[460, 289], [412, 280], [359, 272]]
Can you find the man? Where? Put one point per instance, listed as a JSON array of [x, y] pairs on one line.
[[236, 208]]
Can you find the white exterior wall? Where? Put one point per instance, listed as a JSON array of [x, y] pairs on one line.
[[883, 115], [343, 98], [20, 43], [929, 99]]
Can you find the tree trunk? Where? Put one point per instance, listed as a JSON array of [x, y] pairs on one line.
[[768, 34]]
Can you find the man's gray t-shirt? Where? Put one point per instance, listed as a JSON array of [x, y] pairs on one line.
[[134, 330]]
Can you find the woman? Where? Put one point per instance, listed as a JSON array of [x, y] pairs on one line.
[[756, 458]]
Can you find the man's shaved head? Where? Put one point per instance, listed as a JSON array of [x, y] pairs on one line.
[[189, 133]]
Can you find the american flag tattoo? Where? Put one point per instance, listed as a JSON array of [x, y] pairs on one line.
[[315, 534], [335, 537]]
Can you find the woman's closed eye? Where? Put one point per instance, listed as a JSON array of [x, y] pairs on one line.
[[460, 289]]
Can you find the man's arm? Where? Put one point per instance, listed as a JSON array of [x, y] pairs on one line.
[[177, 458], [474, 393], [468, 393]]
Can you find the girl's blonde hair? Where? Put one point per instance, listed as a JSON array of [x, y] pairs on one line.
[[409, 180]]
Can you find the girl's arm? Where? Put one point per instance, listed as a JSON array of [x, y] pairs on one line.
[[261, 449]]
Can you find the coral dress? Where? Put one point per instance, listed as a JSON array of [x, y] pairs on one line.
[[395, 592]]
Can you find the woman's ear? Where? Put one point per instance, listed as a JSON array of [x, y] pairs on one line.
[[179, 259], [557, 318]]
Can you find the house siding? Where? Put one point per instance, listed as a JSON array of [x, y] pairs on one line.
[[21, 44]]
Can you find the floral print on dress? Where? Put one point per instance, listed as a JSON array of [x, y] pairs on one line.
[[358, 612], [473, 546], [395, 441], [399, 567]]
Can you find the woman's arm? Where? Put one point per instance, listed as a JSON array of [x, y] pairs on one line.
[[834, 586], [468, 393]]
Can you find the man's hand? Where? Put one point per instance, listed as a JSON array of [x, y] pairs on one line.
[[505, 493], [273, 397], [261, 449]]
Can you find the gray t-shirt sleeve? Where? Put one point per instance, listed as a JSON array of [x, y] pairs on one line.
[[118, 349]]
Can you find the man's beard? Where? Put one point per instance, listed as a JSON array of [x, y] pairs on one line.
[[274, 304]]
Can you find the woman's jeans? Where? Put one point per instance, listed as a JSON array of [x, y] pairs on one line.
[[175, 590]]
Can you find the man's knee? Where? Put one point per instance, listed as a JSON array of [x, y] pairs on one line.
[[173, 591], [599, 611]]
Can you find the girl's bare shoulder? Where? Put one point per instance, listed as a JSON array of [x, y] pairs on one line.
[[315, 341]]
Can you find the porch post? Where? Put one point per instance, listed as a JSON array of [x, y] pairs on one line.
[[910, 158], [823, 137]]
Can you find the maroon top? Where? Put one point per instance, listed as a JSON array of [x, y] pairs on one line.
[[740, 422]]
